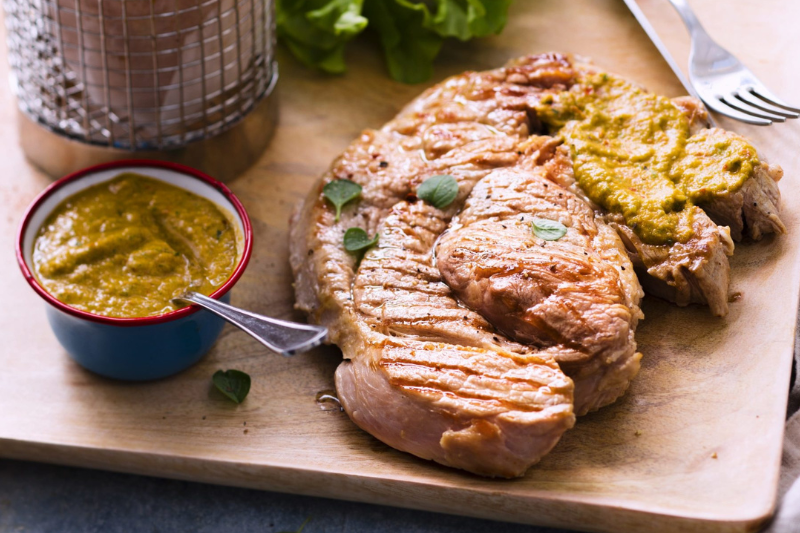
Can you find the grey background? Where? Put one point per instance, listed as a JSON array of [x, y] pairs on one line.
[[45, 498]]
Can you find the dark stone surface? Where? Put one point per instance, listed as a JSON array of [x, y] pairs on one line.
[[39, 498]]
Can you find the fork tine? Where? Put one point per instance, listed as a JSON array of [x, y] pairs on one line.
[[762, 92], [752, 100], [724, 109], [744, 108]]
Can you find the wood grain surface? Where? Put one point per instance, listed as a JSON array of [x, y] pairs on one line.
[[694, 446]]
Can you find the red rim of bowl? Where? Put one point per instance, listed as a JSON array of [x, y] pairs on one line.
[[136, 321]]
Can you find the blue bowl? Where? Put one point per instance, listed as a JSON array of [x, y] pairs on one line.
[[134, 349]]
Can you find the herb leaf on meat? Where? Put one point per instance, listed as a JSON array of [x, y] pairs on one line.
[[357, 240], [549, 230], [439, 191], [339, 192]]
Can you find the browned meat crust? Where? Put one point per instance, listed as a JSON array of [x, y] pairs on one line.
[[434, 379], [470, 124], [696, 271], [578, 293]]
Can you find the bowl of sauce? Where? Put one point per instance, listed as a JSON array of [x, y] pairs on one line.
[[108, 248]]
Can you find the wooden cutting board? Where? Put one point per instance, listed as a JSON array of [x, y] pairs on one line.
[[694, 446]]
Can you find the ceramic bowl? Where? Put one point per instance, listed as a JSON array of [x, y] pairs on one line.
[[133, 349]]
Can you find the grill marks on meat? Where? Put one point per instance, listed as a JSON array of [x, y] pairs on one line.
[[428, 375], [435, 379], [578, 293], [465, 126], [419, 375]]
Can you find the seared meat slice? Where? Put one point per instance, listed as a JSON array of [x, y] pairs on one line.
[[479, 104], [696, 271], [755, 207], [431, 378], [579, 291], [491, 406]]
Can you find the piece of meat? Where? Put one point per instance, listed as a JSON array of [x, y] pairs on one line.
[[431, 378], [754, 208], [423, 372], [578, 292], [479, 402], [696, 271]]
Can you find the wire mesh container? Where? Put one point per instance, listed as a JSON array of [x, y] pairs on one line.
[[140, 74]]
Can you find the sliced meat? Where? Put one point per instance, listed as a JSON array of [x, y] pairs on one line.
[[696, 271], [577, 292], [431, 378], [703, 166], [754, 209]]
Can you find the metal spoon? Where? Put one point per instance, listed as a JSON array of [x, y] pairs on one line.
[[287, 338]]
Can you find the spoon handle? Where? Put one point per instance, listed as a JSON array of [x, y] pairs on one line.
[[287, 338]]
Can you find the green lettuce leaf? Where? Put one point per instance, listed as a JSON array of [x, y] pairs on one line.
[[465, 19], [411, 32], [316, 31], [409, 45]]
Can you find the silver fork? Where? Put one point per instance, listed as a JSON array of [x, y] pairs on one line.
[[724, 83]]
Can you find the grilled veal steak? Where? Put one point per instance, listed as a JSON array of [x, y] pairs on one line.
[[462, 332]]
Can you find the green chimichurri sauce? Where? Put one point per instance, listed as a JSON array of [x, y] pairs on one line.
[[633, 155], [125, 247]]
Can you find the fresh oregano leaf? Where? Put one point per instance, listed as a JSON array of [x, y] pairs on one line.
[[439, 191], [234, 384], [357, 240], [339, 192], [549, 230]]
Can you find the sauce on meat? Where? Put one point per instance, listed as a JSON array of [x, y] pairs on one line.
[[633, 154], [125, 247]]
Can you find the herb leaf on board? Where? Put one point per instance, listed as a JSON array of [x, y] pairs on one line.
[[234, 384], [339, 192], [549, 230], [439, 191], [357, 240]]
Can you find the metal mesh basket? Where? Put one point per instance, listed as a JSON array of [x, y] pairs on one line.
[[140, 74]]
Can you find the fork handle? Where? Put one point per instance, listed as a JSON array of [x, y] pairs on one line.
[[688, 16]]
